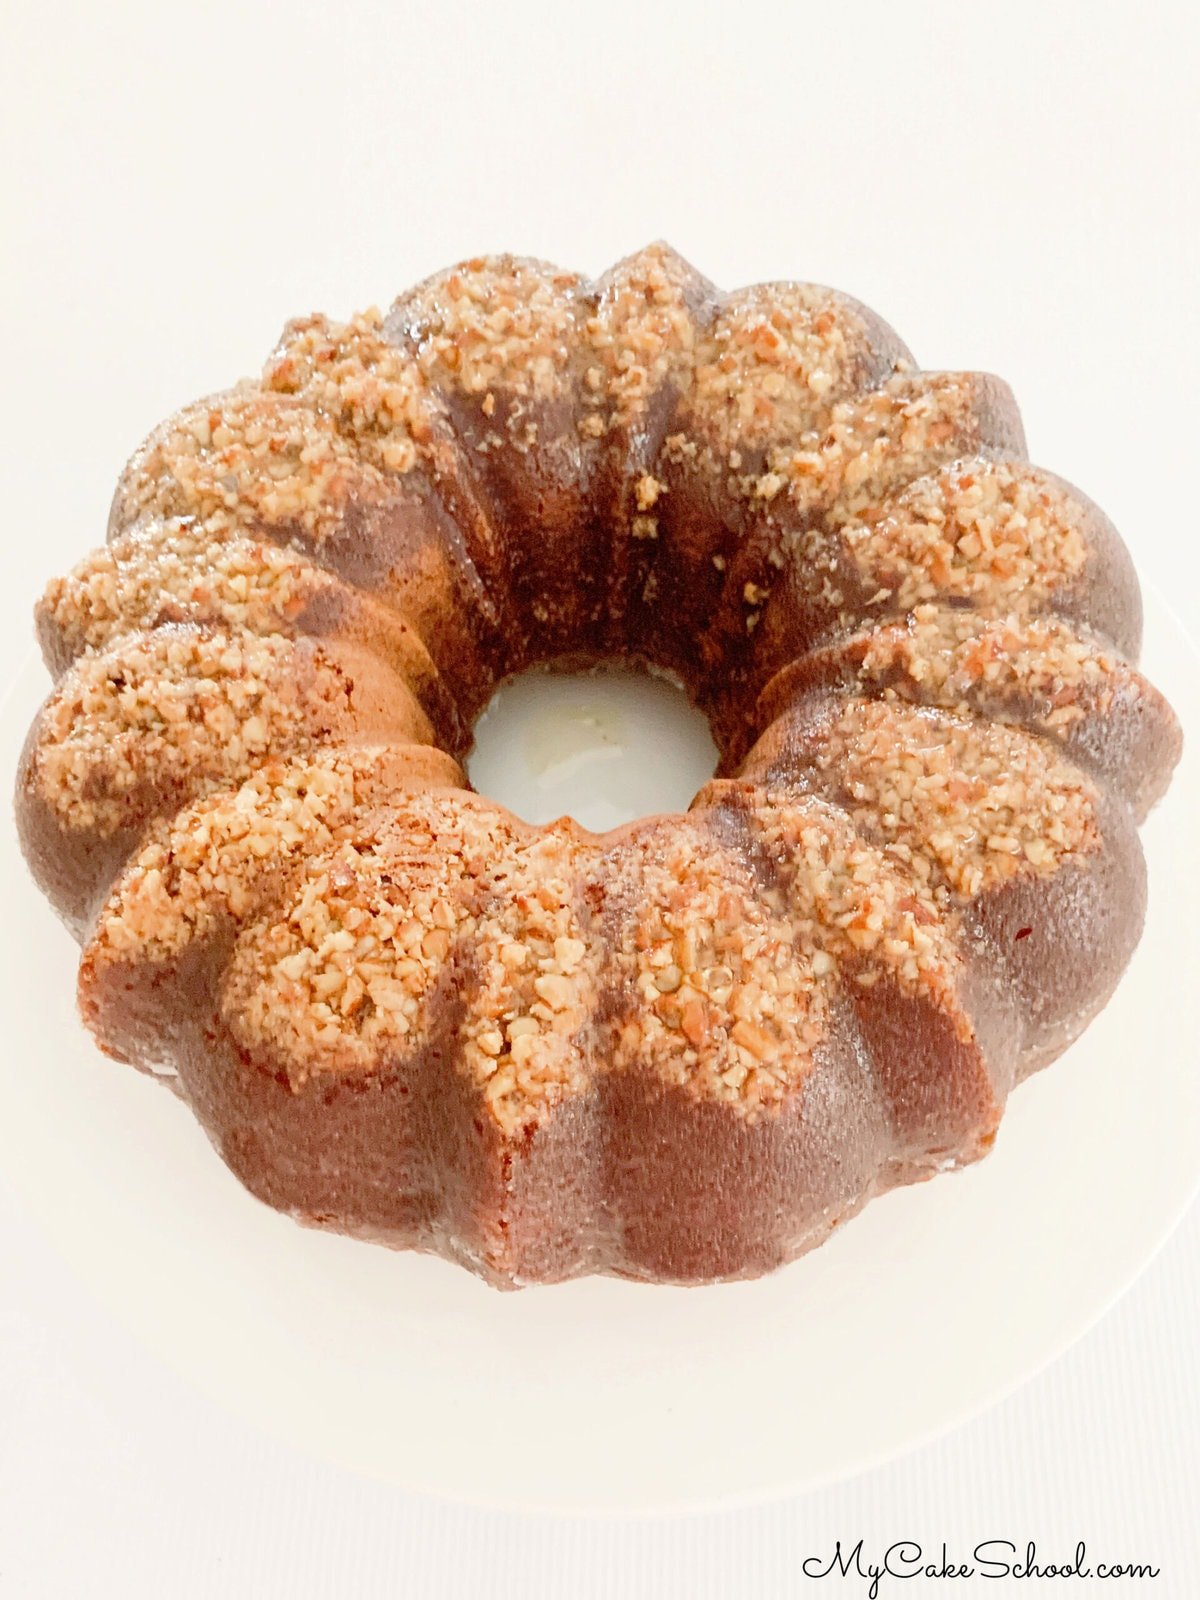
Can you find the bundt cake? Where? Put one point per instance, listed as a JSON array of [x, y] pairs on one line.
[[687, 1049]]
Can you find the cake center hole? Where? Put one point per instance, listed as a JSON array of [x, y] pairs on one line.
[[603, 747]]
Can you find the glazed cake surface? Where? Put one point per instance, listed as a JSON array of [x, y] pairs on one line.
[[687, 1049]]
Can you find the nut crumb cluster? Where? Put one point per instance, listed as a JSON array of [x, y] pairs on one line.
[[1038, 667], [728, 1002], [167, 708], [220, 858], [495, 323], [771, 363], [964, 804], [246, 461], [441, 900], [351, 374], [177, 571], [641, 337], [995, 533]]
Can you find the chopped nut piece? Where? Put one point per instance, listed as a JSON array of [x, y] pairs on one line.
[[755, 1039], [554, 989]]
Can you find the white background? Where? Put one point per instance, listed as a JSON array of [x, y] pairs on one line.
[[1012, 187]]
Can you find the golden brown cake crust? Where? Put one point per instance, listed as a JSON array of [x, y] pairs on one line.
[[689, 1048]]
